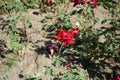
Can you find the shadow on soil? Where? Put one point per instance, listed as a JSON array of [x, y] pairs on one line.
[[97, 71], [2, 44], [40, 50]]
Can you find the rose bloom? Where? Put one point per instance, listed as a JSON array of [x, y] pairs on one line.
[[78, 2], [65, 37], [93, 2], [51, 2], [118, 77]]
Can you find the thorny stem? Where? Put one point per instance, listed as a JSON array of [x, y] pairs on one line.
[[60, 50]]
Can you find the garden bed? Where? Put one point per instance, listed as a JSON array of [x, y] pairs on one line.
[[93, 53]]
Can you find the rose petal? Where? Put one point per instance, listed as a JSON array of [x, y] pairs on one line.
[[71, 42], [56, 37], [64, 43]]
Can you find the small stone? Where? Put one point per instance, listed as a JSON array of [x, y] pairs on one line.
[[2, 56], [21, 75], [108, 70]]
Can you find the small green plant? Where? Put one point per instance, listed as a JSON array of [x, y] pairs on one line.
[[108, 4], [36, 75], [31, 3], [15, 38], [18, 36], [73, 74], [15, 6], [57, 61], [10, 63]]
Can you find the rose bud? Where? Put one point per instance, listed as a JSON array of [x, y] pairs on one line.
[[52, 49], [69, 67]]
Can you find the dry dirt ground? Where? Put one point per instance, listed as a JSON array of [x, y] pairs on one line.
[[34, 57]]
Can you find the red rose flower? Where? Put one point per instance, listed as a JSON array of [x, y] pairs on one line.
[[68, 39], [118, 77], [78, 2], [75, 31], [65, 37], [51, 2], [93, 2], [60, 34]]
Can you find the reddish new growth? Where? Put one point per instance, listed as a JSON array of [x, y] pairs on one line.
[[78, 2], [66, 37]]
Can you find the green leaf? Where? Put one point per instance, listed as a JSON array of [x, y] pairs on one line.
[[89, 9], [73, 12], [2, 4], [103, 21], [13, 26], [57, 1], [82, 74], [15, 46], [60, 11], [49, 70], [80, 11], [16, 5]]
